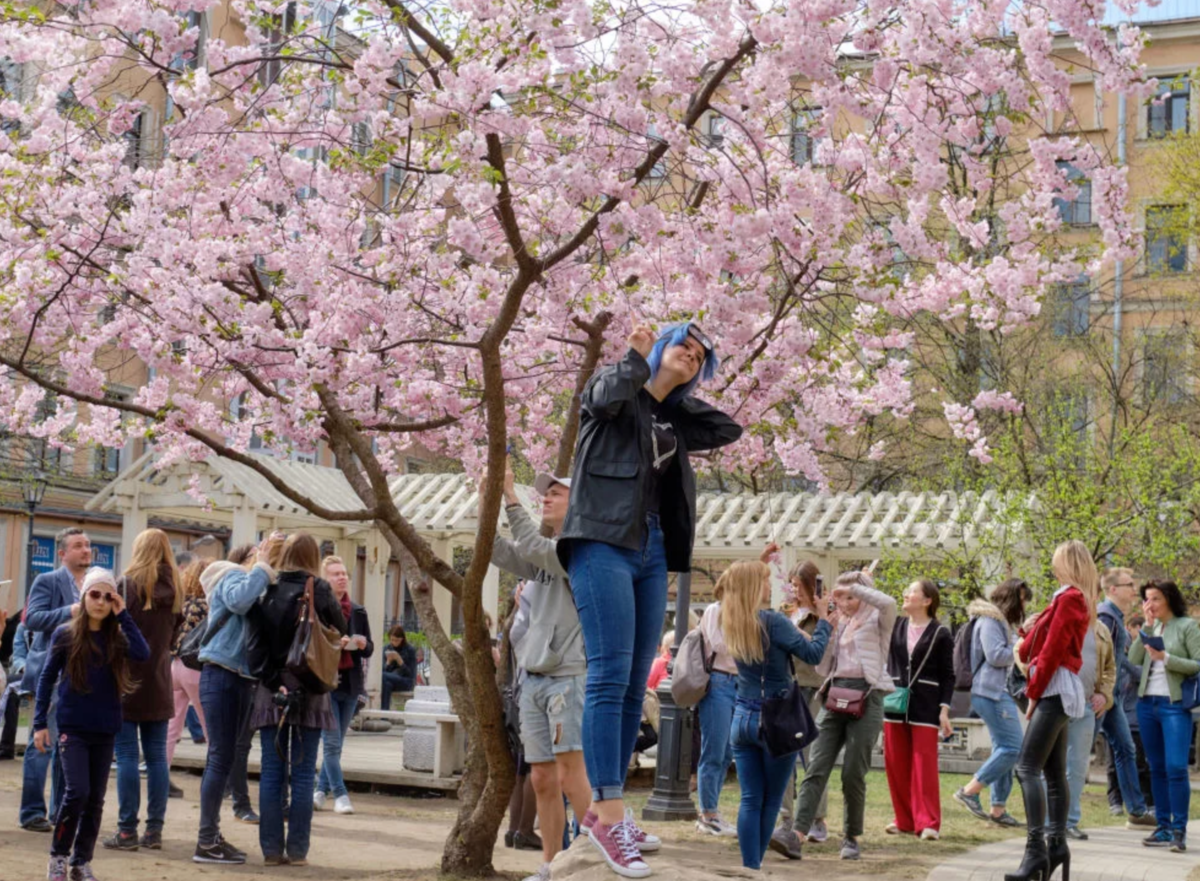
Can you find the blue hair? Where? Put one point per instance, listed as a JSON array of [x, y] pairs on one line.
[[676, 335]]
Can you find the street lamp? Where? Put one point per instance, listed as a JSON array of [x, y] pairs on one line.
[[672, 797], [35, 490]]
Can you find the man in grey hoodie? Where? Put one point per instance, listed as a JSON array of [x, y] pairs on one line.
[[552, 656]]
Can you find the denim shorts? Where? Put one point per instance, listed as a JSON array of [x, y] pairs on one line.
[[551, 716]]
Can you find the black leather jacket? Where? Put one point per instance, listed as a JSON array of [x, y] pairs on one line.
[[613, 462], [271, 623]]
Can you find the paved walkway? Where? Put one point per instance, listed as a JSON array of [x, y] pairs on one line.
[[1112, 854]]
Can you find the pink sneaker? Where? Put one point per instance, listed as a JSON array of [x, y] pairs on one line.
[[588, 821], [646, 843], [619, 848]]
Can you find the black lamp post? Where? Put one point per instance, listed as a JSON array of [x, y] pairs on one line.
[[35, 490], [672, 797]]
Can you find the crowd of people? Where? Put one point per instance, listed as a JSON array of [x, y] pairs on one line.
[[833, 671], [116, 664]]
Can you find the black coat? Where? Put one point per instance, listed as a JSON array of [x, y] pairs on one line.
[[614, 460], [353, 680], [271, 624], [934, 687]]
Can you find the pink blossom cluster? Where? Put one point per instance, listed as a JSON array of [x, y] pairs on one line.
[[347, 208]]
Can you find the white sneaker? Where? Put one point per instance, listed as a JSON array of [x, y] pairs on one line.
[[929, 835], [318, 800], [542, 874], [342, 805], [715, 825], [57, 870]]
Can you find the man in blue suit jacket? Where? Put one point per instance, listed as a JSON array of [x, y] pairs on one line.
[[53, 600]]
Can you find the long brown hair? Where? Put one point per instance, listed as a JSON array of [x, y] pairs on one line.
[[1010, 598], [300, 554], [189, 579], [152, 555], [806, 573], [81, 651]]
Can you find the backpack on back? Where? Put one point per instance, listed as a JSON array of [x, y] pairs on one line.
[[692, 670], [964, 673]]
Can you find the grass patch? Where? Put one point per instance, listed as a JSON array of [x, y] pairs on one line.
[[899, 856]]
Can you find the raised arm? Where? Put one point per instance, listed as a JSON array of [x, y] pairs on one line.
[[886, 606], [531, 545], [139, 649], [704, 427], [616, 385], [789, 637], [244, 589]]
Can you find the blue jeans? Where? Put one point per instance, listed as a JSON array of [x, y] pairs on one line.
[[192, 721], [763, 780], [1081, 734], [33, 774], [343, 705], [222, 694], [129, 781], [716, 753], [1115, 726], [1003, 721], [1166, 735], [622, 600], [297, 765]]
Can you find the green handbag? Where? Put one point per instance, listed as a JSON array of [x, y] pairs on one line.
[[896, 703]]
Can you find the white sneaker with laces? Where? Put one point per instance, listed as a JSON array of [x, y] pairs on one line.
[[646, 843], [542, 874], [318, 800], [342, 805]]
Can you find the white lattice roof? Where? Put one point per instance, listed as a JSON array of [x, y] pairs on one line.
[[444, 505]]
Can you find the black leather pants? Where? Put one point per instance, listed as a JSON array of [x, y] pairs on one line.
[[1044, 751]]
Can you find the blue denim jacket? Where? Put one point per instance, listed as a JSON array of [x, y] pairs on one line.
[[783, 640], [991, 651], [236, 592], [1114, 620]]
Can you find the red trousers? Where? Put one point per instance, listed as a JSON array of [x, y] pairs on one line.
[[910, 757]]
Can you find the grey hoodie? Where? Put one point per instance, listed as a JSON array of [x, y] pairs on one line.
[[553, 644]]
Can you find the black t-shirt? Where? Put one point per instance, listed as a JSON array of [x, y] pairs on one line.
[[663, 447]]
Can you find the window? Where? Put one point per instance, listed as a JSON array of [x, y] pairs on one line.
[[269, 71], [190, 59], [133, 143], [712, 129], [1166, 239], [360, 138], [1162, 357], [237, 412], [659, 169], [10, 89], [1072, 307], [1079, 209], [41, 454], [804, 143], [107, 462], [1169, 113]]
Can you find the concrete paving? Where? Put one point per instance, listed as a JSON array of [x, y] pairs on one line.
[[1111, 854]]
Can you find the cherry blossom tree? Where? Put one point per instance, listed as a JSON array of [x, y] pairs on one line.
[[387, 224]]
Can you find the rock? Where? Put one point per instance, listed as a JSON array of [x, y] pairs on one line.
[[582, 862]]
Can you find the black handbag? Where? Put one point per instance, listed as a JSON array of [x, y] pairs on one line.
[[785, 724], [196, 639]]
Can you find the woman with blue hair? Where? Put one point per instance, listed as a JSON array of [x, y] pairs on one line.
[[631, 519]]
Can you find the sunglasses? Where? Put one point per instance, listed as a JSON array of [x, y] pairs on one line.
[[698, 335], [98, 595]]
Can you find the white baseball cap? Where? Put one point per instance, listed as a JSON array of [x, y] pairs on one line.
[[543, 482]]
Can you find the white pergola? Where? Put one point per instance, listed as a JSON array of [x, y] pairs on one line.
[[224, 494], [828, 529]]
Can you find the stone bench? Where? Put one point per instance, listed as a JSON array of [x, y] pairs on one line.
[[434, 739]]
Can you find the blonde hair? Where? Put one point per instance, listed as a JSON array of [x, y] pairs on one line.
[[741, 588], [189, 578], [151, 552], [1073, 564], [332, 560], [1112, 576]]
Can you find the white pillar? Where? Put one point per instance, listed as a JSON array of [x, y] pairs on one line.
[[374, 590], [443, 603], [787, 561], [245, 525], [133, 522]]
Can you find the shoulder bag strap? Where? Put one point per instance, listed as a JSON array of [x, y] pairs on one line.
[[310, 602], [929, 651]]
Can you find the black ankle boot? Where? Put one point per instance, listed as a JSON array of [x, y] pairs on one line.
[[1035, 865], [1058, 854]]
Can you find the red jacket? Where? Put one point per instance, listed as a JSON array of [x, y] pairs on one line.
[[1056, 640]]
